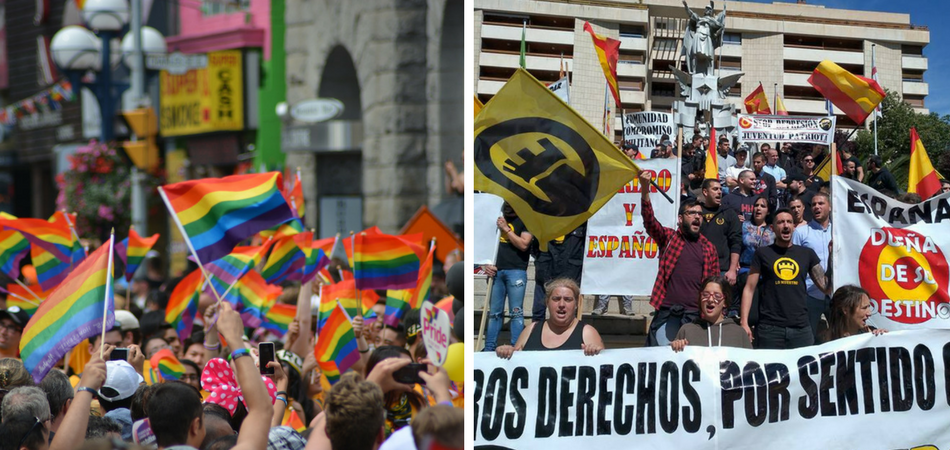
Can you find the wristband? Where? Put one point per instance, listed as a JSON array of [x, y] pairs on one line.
[[212, 347], [283, 400], [363, 351], [95, 393], [239, 353], [279, 393]]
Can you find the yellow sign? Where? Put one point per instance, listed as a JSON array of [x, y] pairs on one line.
[[204, 100]]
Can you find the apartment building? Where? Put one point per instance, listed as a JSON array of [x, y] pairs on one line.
[[778, 44]]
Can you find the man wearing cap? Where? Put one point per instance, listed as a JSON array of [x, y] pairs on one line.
[[115, 395], [632, 151], [129, 327], [12, 321], [797, 189]]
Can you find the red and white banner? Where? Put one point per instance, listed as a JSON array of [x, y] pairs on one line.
[[618, 245], [896, 251]]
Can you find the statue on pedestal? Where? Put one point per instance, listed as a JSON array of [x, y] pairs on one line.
[[703, 36]]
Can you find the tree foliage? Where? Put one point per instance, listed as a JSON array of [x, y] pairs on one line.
[[893, 138]]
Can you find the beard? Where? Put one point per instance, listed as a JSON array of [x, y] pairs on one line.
[[688, 232]]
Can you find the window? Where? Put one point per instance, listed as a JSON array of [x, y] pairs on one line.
[[664, 44], [631, 31], [662, 90], [627, 57], [629, 84], [913, 76], [213, 7], [732, 38]]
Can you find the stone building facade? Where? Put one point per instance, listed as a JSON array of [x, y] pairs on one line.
[[397, 66]]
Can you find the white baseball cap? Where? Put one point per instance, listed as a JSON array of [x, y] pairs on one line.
[[121, 381]]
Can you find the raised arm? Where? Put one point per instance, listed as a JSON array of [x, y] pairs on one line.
[[73, 428], [303, 318], [253, 432]]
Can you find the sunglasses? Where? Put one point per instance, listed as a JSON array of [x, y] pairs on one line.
[[36, 424]]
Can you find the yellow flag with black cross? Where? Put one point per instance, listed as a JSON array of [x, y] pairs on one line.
[[552, 166]]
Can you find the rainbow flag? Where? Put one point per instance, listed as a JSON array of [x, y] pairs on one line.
[[278, 318], [73, 312], [315, 259], [132, 251], [292, 227], [285, 259], [19, 296], [215, 214], [253, 292], [183, 304], [13, 247], [54, 237], [292, 420], [446, 305], [421, 292], [50, 271], [336, 349], [383, 261], [397, 303], [295, 198], [344, 292], [78, 252], [169, 367], [228, 270]]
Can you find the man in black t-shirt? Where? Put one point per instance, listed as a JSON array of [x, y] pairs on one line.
[[783, 312], [722, 227], [881, 178]]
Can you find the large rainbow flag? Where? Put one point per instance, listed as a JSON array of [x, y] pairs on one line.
[[132, 251], [336, 348], [228, 270], [216, 214], [182, 305], [278, 318], [74, 311], [382, 261]]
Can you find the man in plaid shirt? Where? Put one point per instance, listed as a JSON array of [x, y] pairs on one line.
[[686, 259]]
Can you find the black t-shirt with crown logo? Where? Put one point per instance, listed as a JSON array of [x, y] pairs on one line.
[[783, 297]]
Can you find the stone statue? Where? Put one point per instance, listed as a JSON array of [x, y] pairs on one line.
[[703, 36]]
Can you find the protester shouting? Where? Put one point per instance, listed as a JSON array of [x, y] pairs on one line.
[[713, 328], [850, 311]]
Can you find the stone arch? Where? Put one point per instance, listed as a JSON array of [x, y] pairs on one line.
[[339, 81]]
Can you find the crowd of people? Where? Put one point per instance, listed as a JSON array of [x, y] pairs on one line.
[[746, 264], [223, 399]]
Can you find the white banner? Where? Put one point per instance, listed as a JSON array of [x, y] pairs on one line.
[[895, 251], [618, 244], [802, 129], [487, 212], [875, 392], [646, 128], [562, 88]]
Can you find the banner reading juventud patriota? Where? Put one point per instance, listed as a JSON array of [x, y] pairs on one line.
[[895, 251], [618, 244], [794, 129], [870, 392]]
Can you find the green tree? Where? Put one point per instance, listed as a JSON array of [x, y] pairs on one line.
[[893, 138]]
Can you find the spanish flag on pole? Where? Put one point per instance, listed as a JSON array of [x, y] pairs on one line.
[[551, 165], [757, 102], [712, 161], [924, 179], [780, 106], [608, 52], [854, 95]]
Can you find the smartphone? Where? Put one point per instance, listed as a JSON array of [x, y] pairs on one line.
[[410, 374], [266, 351], [120, 354]]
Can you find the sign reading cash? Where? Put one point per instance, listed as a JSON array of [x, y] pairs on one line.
[[809, 130], [204, 99]]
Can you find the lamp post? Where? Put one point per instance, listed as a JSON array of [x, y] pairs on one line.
[[77, 50]]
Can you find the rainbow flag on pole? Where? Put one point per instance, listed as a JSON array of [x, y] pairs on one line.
[[53, 237], [344, 293], [254, 292], [183, 304], [285, 259], [397, 303], [315, 259], [24, 298], [421, 291], [132, 251], [295, 197], [74, 311], [336, 349], [169, 367], [382, 261], [278, 318], [78, 252], [216, 214], [13, 247]]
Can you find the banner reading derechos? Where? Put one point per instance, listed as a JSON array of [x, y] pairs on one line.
[[876, 392], [793, 129], [618, 244], [895, 251]]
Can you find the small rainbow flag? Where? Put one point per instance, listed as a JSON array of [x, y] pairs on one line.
[[132, 251], [78, 251], [278, 318], [314, 258], [19, 296], [292, 419], [169, 367], [446, 305], [54, 237], [382, 261], [336, 349], [228, 270], [13, 247], [344, 292], [397, 303], [253, 291], [183, 304], [295, 197], [216, 214], [285, 259], [74, 311], [421, 292]]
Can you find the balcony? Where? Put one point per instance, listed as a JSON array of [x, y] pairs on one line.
[[632, 43], [494, 59], [513, 33], [818, 55], [914, 62], [796, 79], [632, 70], [489, 87], [636, 97], [915, 88], [734, 50]]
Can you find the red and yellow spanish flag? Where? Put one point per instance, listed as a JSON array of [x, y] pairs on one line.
[[608, 52], [780, 106], [712, 161], [923, 179], [757, 102], [854, 95]]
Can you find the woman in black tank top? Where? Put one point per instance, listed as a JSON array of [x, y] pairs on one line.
[[562, 330]]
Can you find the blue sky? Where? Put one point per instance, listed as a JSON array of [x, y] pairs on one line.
[[932, 13]]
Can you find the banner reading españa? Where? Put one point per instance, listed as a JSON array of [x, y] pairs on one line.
[[537, 153], [204, 100]]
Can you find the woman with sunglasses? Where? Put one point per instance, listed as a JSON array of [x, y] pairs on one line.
[[712, 328]]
